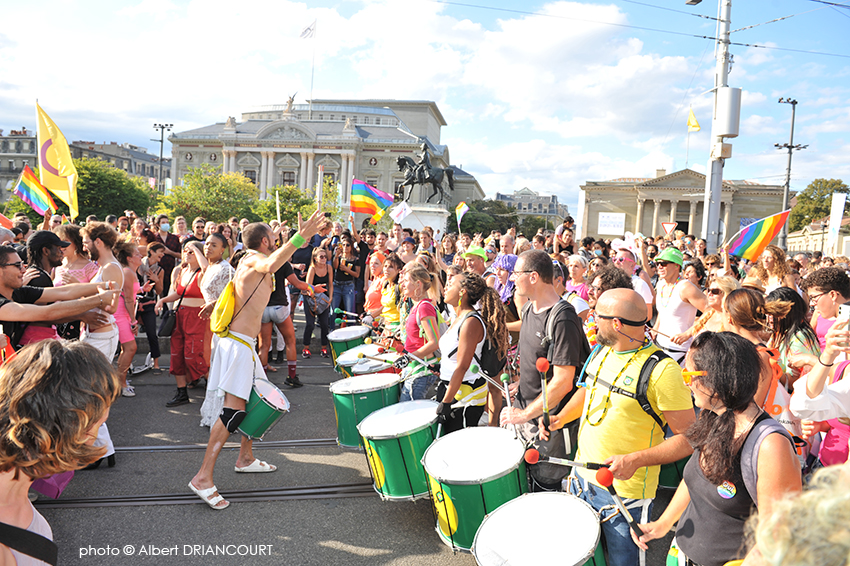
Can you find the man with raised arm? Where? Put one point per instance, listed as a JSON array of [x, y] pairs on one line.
[[236, 364]]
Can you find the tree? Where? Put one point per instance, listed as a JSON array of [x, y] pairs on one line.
[[484, 216], [215, 196], [815, 202], [530, 225], [292, 201], [101, 190]]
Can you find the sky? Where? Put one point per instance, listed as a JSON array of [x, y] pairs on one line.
[[544, 95]]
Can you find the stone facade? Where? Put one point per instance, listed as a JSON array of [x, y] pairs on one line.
[[530, 203], [814, 237], [134, 160], [283, 145], [677, 197], [17, 149]]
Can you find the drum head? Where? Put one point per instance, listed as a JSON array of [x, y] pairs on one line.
[[580, 532], [473, 455], [349, 333], [269, 392], [349, 357], [364, 383], [398, 420]]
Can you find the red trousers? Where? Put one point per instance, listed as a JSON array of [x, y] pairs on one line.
[[187, 344]]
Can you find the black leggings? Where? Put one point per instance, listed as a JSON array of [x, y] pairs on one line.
[[464, 417], [311, 324], [148, 318]]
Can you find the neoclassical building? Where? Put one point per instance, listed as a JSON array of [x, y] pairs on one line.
[[286, 145], [611, 208]]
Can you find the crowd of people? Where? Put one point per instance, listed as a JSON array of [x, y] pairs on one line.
[[656, 351]]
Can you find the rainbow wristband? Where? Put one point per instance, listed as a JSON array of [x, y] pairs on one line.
[[297, 240]]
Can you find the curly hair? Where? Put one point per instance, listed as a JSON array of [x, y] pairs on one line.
[[780, 268], [828, 279], [51, 395], [71, 233], [732, 385], [699, 268], [749, 310], [101, 231], [612, 278], [491, 309], [123, 251]]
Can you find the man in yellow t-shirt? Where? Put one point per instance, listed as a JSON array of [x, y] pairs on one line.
[[615, 429]]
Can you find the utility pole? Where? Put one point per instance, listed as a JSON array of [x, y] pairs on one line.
[[783, 235], [714, 180], [162, 129]]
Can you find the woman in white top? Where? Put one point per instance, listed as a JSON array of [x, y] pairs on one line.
[[462, 390], [54, 396]]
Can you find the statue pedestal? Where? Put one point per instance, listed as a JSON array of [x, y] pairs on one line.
[[433, 215]]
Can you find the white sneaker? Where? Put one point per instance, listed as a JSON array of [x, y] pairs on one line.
[[128, 391]]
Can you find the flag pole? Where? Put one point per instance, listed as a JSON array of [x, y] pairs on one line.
[[313, 69], [687, 148]]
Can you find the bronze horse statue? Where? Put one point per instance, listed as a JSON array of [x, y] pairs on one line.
[[423, 174]]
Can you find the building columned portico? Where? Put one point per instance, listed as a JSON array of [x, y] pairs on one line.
[[281, 145], [611, 208]]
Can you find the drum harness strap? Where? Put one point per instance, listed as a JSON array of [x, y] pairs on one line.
[[612, 507]]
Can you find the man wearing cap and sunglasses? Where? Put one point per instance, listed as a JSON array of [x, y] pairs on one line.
[[677, 301]]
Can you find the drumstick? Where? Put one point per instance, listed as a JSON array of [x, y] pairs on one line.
[[361, 355], [346, 313], [543, 367], [532, 456], [505, 379], [606, 479]]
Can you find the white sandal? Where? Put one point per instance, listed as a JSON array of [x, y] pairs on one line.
[[257, 467], [207, 496]]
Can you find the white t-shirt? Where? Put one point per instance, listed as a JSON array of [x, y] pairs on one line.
[[642, 288], [579, 304]]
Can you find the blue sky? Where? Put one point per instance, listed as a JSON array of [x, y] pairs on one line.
[[563, 93]]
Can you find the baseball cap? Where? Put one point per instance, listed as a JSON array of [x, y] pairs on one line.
[[671, 255], [475, 250], [44, 238], [409, 240]]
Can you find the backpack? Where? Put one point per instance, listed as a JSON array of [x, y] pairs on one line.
[[222, 314], [490, 364], [642, 386]]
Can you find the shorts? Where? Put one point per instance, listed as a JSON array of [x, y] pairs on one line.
[[105, 342], [234, 368], [276, 314]]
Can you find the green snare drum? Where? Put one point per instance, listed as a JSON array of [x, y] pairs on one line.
[[396, 438], [356, 398], [471, 473], [265, 406], [349, 363], [344, 339]]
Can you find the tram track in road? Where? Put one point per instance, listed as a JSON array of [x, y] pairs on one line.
[[258, 445], [240, 496]]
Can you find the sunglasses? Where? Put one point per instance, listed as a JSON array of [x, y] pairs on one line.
[[663, 263], [714, 291], [688, 376]]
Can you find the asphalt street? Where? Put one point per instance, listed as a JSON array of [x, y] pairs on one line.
[[359, 529]]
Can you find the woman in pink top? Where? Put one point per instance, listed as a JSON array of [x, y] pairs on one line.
[[376, 282], [75, 268], [130, 258], [423, 335]]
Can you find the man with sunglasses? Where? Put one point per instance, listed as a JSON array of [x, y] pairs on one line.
[[616, 430], [828, 288], [677, 301], [20, 304]]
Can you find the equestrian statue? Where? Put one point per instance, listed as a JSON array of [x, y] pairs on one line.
[[423, 173]]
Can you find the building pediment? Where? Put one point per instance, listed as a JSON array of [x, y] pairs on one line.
[[248, 161], [286, 130], [684, 179], [287, 161], [328, 162]]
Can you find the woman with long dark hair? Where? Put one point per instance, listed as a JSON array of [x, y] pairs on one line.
[[792, 335], [715, 498], [462, 392]]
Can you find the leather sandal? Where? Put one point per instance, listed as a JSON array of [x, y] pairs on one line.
[[210, 499]]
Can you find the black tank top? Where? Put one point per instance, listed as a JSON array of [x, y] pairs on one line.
[[711, 530], [321, 279]]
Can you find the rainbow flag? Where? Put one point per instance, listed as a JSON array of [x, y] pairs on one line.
[[32, 193], [750, 242], [366, 199], [6, 222]]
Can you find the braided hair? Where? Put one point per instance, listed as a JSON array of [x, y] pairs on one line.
[[491, 309]]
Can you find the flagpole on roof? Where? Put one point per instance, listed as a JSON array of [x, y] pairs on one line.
[[310, 33]]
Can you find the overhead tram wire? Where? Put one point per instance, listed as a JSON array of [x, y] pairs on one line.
[[641, 28], [268, 445], [831, 3], [778, 19]]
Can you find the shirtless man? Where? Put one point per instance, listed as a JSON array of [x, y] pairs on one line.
[[236, 364]]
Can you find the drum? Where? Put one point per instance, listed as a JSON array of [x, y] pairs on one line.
[[396, 438], [375, 366], [504, 535], [471, 473], [672, 474], [358, 397], [265, 406], [346, 360], [343, 339]]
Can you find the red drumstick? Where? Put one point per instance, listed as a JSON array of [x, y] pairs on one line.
[[606, 479], [532, 456]]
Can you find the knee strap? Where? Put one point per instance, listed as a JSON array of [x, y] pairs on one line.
[[232, 418]]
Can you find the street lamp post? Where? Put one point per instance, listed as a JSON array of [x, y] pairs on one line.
[[162, 129], [783, 234]]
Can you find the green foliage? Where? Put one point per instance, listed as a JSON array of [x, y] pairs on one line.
[[531, 224], [292, 201], [215, 196], [484, 216], [330, 201], [101, 190], [815, 201]]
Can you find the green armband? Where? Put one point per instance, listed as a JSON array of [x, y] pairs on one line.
[[297, 240]]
